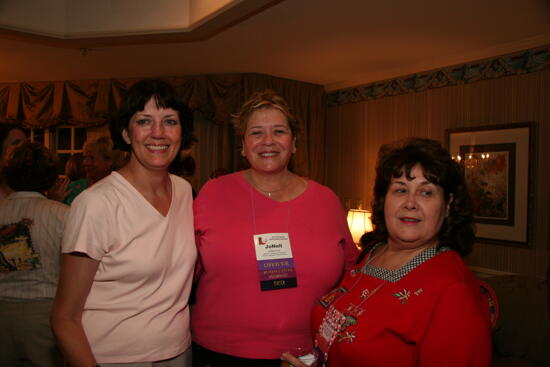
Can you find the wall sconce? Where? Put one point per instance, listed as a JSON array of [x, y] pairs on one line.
[[359, 222]]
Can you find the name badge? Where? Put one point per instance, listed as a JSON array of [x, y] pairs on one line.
[[275, 261]]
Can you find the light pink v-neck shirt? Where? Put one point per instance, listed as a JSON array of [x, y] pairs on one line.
[[137, 307]]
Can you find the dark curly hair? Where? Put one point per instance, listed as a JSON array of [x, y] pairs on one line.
[[134, 101], [32, 167], [394, 160]]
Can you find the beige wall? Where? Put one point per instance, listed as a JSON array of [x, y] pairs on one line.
[[356, 131]]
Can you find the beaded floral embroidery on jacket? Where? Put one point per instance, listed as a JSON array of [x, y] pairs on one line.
[[406, 294], [353, 312]]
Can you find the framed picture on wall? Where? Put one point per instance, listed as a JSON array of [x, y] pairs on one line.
[[498, 166]]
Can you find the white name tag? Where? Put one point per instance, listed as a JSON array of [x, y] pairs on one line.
[[275, 261]]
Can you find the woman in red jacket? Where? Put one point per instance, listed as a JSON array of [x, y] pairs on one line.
[[411, 301]]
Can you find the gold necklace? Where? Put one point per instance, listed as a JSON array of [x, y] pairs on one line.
[[379, 252], [269, 193]]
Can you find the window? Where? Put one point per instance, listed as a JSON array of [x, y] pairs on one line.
[[38, 136], [68, 141], [63, 140]]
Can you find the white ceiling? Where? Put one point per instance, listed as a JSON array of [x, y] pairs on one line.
[[337, 44]]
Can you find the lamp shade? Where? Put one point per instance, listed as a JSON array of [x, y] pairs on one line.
[[359, 222]]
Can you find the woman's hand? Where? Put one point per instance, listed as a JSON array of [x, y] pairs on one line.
[[59, 191], [291, 361]]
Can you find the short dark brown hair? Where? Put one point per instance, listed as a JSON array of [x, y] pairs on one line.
[[165, 97], [32, 167]]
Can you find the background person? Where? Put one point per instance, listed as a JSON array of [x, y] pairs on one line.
[[11, 136], [129, 250], [74, 168], [244, 316], [184, 166], [31, 229], [412, 301], [97, 159]]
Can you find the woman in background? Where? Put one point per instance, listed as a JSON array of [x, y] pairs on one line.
[[74, 171], [74, 168], [184, 166], [411, 301], [97, 160], [270, 242], [129, 250], [11, 136], [31, 229]]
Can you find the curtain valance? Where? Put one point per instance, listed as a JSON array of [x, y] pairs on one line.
[[89, 103]]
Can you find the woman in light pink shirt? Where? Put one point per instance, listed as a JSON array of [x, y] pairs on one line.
[[128, 249]]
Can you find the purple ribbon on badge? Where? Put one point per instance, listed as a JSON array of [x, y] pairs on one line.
[[277, 274]]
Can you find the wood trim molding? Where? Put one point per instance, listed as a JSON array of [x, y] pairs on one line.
[[518, 63]]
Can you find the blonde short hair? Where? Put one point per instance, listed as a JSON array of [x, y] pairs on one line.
[[259, 100]]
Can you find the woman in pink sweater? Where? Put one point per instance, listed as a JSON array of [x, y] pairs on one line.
[[270, 243]]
